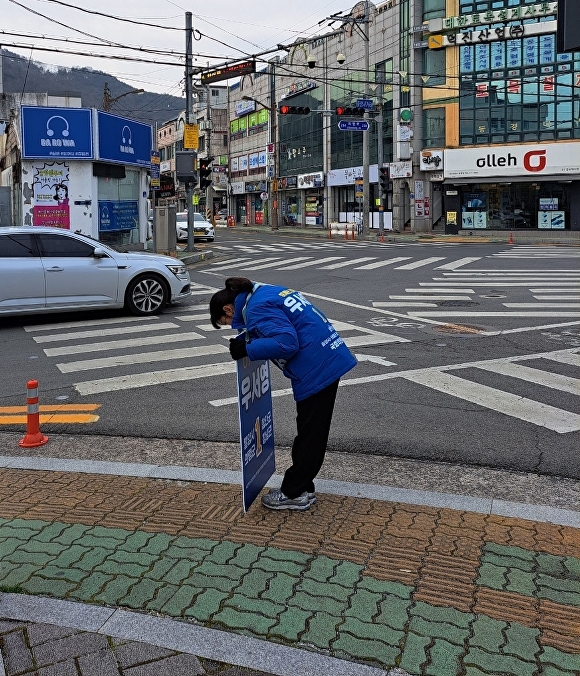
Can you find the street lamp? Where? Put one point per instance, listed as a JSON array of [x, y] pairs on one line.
[[109, 100], [272, 212]]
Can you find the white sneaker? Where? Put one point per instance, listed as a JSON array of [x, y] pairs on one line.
[[275, 499]]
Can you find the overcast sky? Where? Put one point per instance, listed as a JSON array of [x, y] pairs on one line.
[[231, 29]]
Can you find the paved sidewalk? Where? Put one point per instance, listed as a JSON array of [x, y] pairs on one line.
[[162, 573]]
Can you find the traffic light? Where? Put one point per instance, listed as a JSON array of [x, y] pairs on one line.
[[205, 172], [294, 110], [350, 112], [384, 180]]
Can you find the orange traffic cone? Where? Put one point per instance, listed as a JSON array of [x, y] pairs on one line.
[[33, 436], [511, 239]]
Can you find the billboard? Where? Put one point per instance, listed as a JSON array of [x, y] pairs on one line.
[[123, 141], [56, 133]]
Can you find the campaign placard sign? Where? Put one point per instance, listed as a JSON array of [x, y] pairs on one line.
[[256, 427], [57, 133]]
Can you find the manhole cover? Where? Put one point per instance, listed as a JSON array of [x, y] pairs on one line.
[[458, 328], [457, 303]]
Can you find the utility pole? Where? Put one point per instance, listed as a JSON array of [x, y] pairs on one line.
[[379, 121], [208, 134], [188, 105], [366, 134]]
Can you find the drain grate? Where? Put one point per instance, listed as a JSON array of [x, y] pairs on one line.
[[458, 328]]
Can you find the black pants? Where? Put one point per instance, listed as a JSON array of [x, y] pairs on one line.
[[313, 419]]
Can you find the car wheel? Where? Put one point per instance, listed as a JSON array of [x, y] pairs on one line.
[[210, 239], [146, 295]]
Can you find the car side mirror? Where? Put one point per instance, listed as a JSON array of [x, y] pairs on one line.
[[99, 253]]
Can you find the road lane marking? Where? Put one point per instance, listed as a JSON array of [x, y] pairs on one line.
[[50, 413], [460, 313]]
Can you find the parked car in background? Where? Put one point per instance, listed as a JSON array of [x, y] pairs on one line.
[[55, 270], [202, 228]]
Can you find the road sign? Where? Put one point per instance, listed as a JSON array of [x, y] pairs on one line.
[[353, 125], [367, 104]]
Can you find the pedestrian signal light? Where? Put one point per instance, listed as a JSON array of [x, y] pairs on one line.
[[384, 180], [294, 110], [350, 112], [205, 172]]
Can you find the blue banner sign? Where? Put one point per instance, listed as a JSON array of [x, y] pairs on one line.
[[366, 104], [256, 427], [353, 125], [115, 216], [123, 141], [57, 133]]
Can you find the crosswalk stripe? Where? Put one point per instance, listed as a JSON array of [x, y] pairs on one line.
[[558, 306], [263, 266], [448, 289], [459, 263], [380, 264], [141, 358], [536, 376], [229, 263], [121, 344], [557, 298], [439, 298], [308, 263], [564, 357], [573, 290], [335, 266], [460, 313], [118, 383], [513, 405], [503, 282], [103, 332], [87, 322], [421, 263]]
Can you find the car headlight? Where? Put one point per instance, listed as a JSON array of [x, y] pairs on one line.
[[176, 269]]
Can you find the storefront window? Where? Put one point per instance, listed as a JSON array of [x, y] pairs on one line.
[[119, 209]]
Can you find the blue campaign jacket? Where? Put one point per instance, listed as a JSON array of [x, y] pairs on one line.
[[284, 327]]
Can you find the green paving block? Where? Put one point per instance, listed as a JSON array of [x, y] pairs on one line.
[[285, 555], [254, 583], [474, 671], [89, 539], [137, 541], [9, 545], [142, 593], [347, 574], [450, 632], [21, 556], [488, 633], [92, 558], [132, 570], [162, 595], [35, 547], [318, 604], [508, 551], [115, 589], [292, 568], [522, 642], [363, 605], [191, 553], [179, 571], [179, 602], [118, 534], [246, 556], [566, 598], [222, 553], [321, 569], [280, 588], [15, 574], [223, 584], [139, 558], [554, 671], [183, 542], [572, 586], [158, 543], [57, 573], [492, 576], [253, 623], [445, 658], [90, 586], [333, 591], [572, 566], [550, 564], [362, 649], [441, 614], [70, 557], [291, 624], [210, 568], [23, 529], [394, 612], [207, 603], [72, 533], [370, 631], [254, 605], [499, 664], [520, 582], [322, 630], [556, 658], [51, 532], [161, 567], [402, 591], [41, 585], [414, 653]]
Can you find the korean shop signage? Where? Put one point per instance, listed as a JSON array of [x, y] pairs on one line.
[[482, 34], [520, 13], [58, 133]]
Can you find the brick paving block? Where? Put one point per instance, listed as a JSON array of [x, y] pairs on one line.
[[291, 624], [41, 633], [17, 655], [178, 665], [133, 653], [69, 647], [322, 630], [124, 557], [65, 668], [9, 545], [499, 664], [507, 606], [190, 549], [207, 604], [161, 568], [101, 663]]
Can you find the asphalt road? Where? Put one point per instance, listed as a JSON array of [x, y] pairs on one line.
[[467, 353]]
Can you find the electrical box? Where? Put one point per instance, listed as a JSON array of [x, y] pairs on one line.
[[165, 229]]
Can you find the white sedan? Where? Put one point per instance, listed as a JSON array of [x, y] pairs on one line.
[[54, 270], [202, 228]]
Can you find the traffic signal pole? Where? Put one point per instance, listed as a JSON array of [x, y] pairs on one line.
[[188, 105], [366, 158]]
